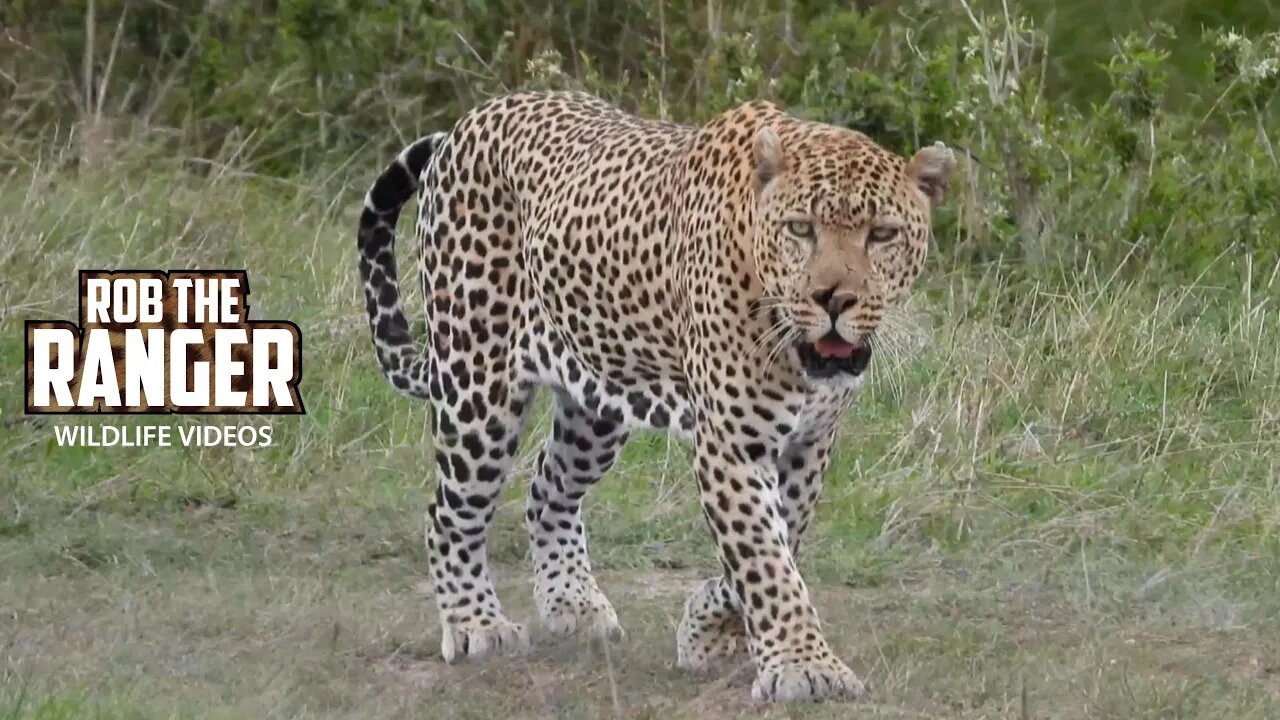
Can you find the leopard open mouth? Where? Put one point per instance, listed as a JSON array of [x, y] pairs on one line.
[[832, 355]]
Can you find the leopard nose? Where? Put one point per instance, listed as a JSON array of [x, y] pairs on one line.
[[835, 301]]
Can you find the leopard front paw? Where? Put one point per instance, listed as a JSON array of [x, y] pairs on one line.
[[573, 604], [797, 680], [480, 637]]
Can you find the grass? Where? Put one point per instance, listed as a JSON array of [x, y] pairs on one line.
[[1057, 501]]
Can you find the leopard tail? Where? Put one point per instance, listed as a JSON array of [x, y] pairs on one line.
[[402, 361]]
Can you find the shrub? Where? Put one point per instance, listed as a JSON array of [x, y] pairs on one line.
[[1116, 164]]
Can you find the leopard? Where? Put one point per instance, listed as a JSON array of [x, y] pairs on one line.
[[721, 282]]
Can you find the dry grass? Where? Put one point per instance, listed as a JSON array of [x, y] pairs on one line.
[[275, 637]]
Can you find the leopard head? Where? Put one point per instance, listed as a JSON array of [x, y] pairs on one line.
[[841, 230]]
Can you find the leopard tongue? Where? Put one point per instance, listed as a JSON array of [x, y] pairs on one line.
[[834, 347]]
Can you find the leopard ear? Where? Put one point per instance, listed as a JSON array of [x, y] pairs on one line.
[[931, 169], [769, 157]]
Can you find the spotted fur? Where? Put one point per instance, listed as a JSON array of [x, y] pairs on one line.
[[722, 282]]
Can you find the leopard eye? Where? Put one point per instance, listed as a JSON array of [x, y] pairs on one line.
[[802, 229], [881, 235]]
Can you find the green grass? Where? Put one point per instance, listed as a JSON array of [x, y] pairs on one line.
[[1055, 501]]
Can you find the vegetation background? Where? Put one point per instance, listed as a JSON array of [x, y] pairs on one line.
[[1059, 498]]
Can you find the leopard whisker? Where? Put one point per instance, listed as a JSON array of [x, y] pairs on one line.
[[771, 334], [765, 304], [779, 325], [785, 341]]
